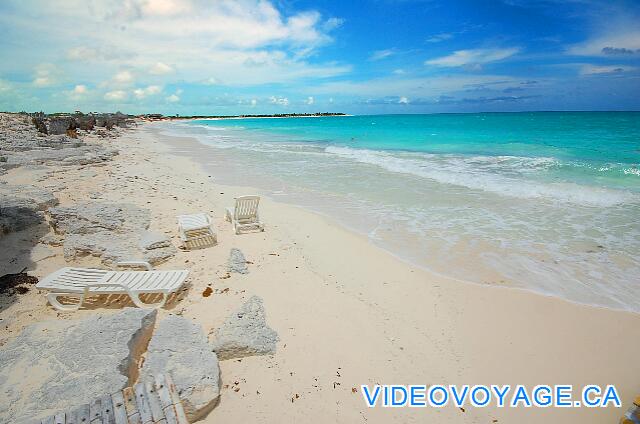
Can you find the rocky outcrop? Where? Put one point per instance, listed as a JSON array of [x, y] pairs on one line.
[[179, 347], [113, 248], [150, 240], [24, 141], [86, 122], [39, 123], [245, 333], [60, 125], [55, 365], [22, 206], [237, 262], [113, 232], [90, 218]]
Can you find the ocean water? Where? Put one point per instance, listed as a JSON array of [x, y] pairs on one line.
[[548, 202]]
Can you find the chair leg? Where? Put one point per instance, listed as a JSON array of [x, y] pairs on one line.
[[135, 298], [53, 300]]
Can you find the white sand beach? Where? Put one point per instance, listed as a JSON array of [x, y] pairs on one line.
[[347, 312]]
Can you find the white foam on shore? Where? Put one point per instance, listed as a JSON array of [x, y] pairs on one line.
[[503, 175]]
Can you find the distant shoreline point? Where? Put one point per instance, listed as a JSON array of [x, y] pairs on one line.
[[158, 117]]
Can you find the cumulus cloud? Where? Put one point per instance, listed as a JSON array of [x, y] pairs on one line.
[[281, 101], [141, 93], [116, 96], [310, 100], [45, 75], [211, 81], [403, 100], [80, 89], [123, 77], [254, 102], [161, 68], [151, 39], [175, 97], [473, 57]]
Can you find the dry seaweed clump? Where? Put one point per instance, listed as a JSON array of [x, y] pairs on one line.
[[18, 283]]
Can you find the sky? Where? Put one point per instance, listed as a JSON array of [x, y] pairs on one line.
[[220, 57]]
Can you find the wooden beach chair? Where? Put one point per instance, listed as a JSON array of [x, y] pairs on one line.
[[196, 230], [244, 215], [154, 401], [84, 282]]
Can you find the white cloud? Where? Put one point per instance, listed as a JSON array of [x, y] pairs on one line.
[[282, 101], [81, 53], [147, 41], [211, 81], [80, 89], [403, 100], [123, 77], [141, 93], [399, 72], [332, 23], [161, 68], [116, 96], [439, 37], [606, 69], [473, 57], [4, 85], [382, 54], [175, 97], [45, 75], [621, 42], [254, 102], [310, 100], [427, 87]]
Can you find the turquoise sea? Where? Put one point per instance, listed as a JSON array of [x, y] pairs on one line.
[[545, 201]]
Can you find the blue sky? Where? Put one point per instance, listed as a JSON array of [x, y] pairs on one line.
[[378, 56]]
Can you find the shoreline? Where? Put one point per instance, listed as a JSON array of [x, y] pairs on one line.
[[202, 153], [464, 256], [342, 321]]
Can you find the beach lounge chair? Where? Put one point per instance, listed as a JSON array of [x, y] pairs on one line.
[[83, 282], [196, 230], [244, 215]]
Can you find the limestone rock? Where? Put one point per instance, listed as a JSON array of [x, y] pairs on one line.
[[51, 239], [60, 364], [113, 247], [237, 262], [245, 333], [152, 240], [89, 218], [21, 206], [179, 347], [159, 255], [41, 199]]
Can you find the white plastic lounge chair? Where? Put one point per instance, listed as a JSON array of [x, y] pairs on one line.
[[83, 282], [245, 214], [196, 229]]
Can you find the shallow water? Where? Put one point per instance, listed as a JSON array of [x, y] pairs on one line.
[[543, 201]]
